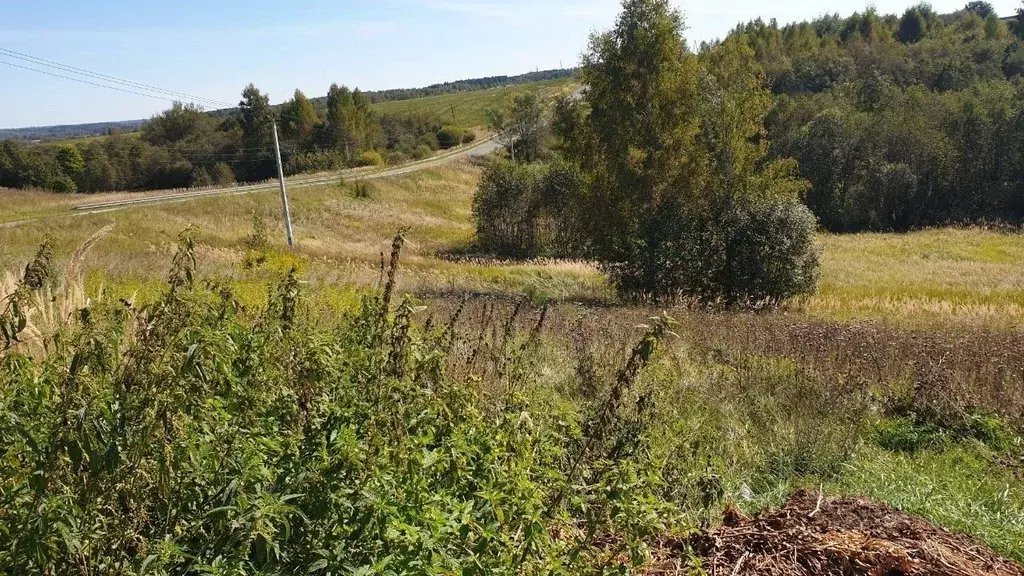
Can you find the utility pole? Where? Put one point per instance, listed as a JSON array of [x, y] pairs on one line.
[[284, 194]]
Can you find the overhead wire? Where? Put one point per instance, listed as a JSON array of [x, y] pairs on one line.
[[84, 81], [109, 79]]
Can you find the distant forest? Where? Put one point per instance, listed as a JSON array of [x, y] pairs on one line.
[[468, 85], [69, 131], [66, 131], [902, 120]]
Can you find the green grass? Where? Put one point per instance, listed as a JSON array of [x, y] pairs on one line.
[[959, 489], [469, 107]]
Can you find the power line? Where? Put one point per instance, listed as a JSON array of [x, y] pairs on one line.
[[84, 81], [110, 79]]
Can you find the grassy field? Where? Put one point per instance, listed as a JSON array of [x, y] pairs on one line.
[[953, 276], [469, 107], [900, 380]]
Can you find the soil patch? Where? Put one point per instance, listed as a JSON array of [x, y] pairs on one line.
[[845, 537]]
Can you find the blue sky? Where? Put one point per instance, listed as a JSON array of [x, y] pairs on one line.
[[214, 48]]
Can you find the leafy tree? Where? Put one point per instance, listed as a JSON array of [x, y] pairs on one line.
[[981, 8], [521, 126], [256, 118], [70, 161], [505, 208], [912, 26], [351, 125], [679, 196], [179, 123], [299, 118]]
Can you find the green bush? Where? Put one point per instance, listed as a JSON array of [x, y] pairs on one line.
[[315, 161], [761, 251], [505, 208], [468, 137], [450, 136], [63, 184], [529, 210], [395, 158], [370, 158], [190, 436], [222, 174], [422, 151], [429, 140]]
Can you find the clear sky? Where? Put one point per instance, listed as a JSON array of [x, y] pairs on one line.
[[213, 48]]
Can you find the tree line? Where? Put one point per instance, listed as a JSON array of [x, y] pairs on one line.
[[468, 85], [185, 146], [899, 121]]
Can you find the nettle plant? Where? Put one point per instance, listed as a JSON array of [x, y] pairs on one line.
[[196, 435]]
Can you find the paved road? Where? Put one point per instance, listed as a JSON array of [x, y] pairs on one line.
[[480, 149]]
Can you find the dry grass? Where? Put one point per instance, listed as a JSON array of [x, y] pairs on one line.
[[967, 276], [958, 277], [340, 238]]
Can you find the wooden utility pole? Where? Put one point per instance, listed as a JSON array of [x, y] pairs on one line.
[[284, 194]]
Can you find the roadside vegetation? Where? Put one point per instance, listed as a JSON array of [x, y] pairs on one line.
[[187, 147]]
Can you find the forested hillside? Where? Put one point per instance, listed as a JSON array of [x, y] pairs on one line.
[[900, 121], [68, 130]]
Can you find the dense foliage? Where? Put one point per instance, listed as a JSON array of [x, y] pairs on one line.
[[669, 183], [899, 121], [194, 436]]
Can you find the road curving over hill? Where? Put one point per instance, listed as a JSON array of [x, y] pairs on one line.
[[481, 148]]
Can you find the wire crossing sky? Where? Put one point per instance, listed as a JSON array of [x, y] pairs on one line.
[[208, 51]]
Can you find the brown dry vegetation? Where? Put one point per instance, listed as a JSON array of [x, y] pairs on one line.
[[812, 535]]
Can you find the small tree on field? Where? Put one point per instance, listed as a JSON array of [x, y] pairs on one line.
[[679, 196], [505, 209], [522, 127]]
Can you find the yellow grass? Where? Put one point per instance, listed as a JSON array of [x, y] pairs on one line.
[[963, 275], [959, 276]]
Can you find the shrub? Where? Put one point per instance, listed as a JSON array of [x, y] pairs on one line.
[[422, 151], [747, 253], [559, 226], [63, 184], [429, 140], [468, 137], [257, 243], [505, 208], [395, 158], [222, 174], [362, 189], [450, 136], [315, 161], [201, 177], [370, 158]]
